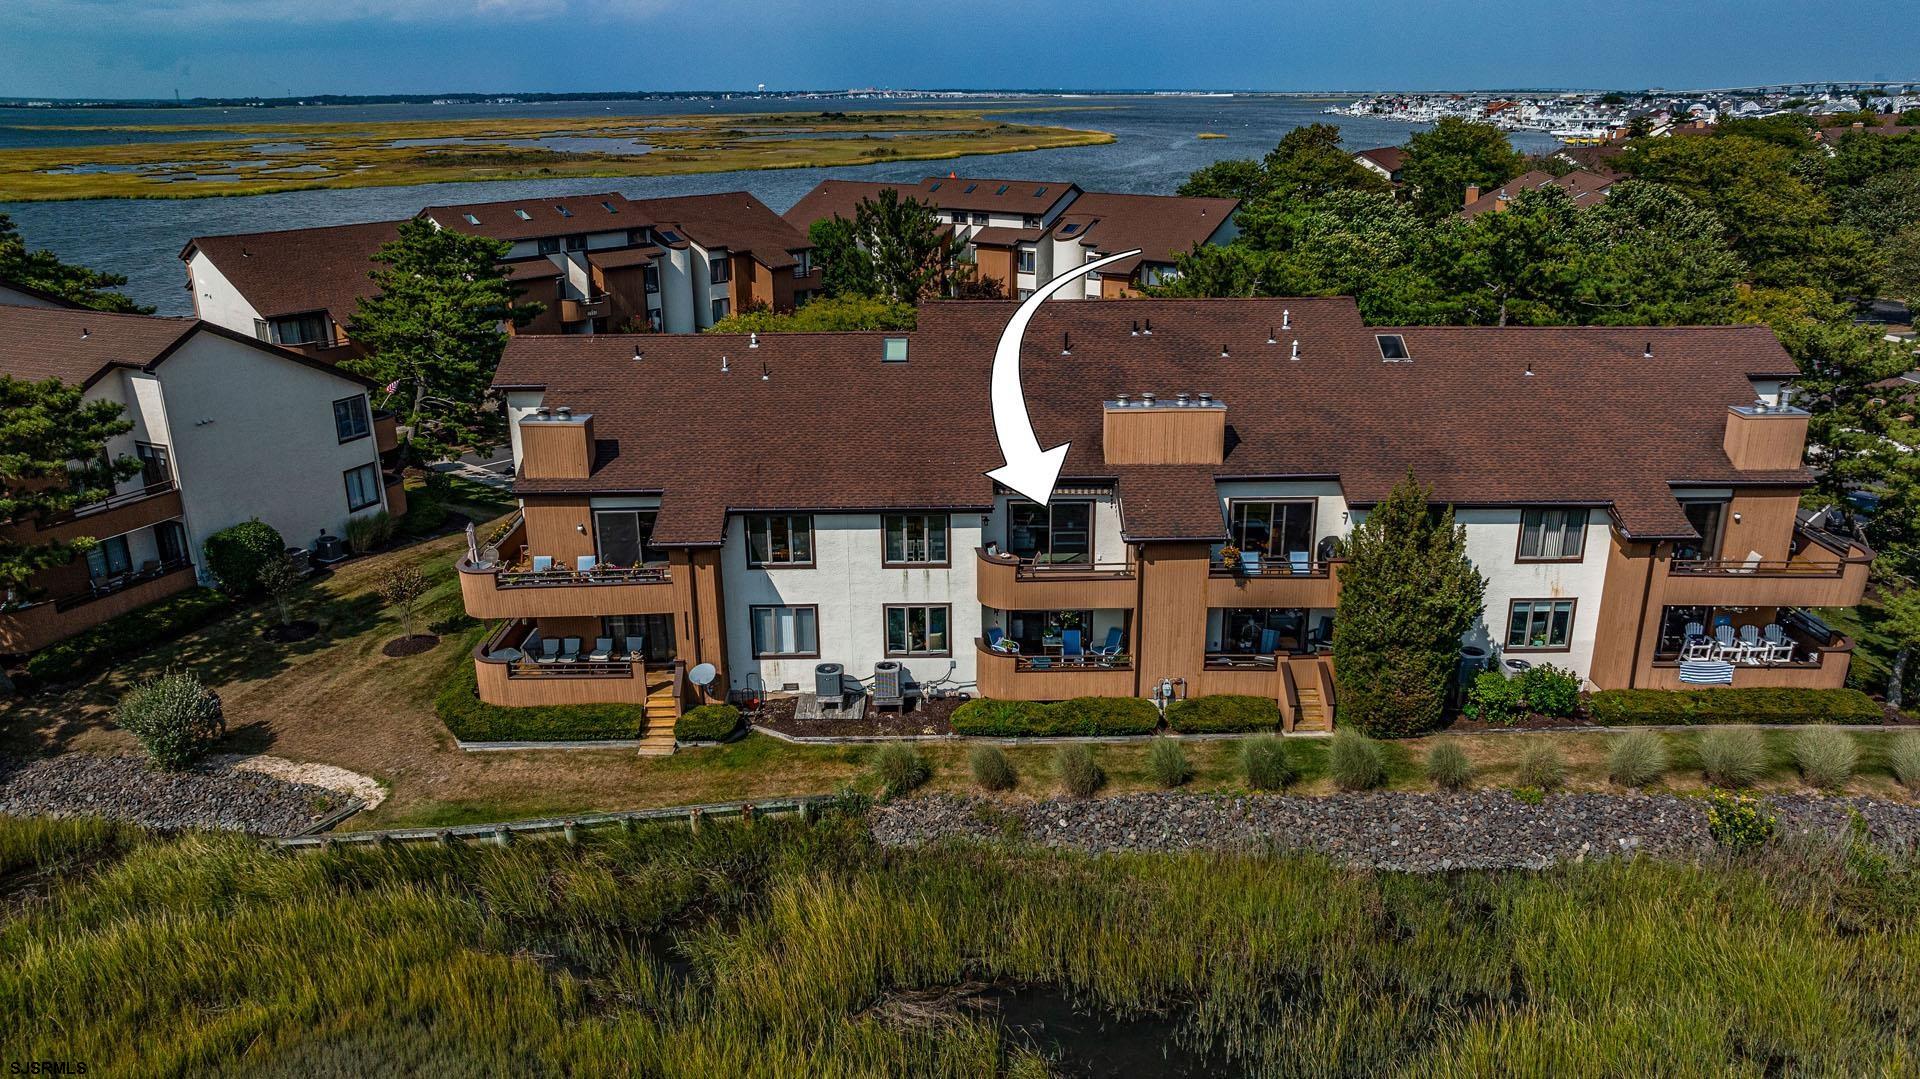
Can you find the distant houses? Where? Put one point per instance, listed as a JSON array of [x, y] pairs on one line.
[[1583, 187]]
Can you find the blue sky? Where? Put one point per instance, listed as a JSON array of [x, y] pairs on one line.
[[119, 48]]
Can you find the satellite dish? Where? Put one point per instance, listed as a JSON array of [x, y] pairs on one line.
[[702, 674]]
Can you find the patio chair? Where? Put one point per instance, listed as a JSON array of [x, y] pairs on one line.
[[549, 650], [1250, 563], [1772, 633], [997, 641], [1269, 641], [1070, 649], [1777, 652], [636, 648], [584, 564], [1696, 646], [602, 650], [1040, 663], [1750, 647], [1724, 646], [1112, 647], [569, 649], [1300, 561], [542, 563]]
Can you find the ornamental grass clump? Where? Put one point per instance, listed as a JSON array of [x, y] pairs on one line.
[[1637, 760], [1825, 757], [1355, 761], [1732, 758], [1167, 763], [900, 769], [175, 717], [1541, 767], [992, 771], [1904, 757], [1448, 767], [1265, 761], [1079, 773]]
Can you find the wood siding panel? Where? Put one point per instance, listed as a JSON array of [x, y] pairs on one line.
[[486, 601], [1000, 586], [1767, 441], [1765, 526], [996, 264], [1171, 629], [164, 506], [1165, 436], [997, 677], [1282, 591], [497, 688], [558, 525], [556, 449], [1628, 567]]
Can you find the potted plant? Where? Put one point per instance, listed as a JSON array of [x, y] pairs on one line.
[[1230, 558]]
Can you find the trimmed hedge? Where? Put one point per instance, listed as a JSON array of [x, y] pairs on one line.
[[237, 553], [707, 723], [1079, 716], [122, 636], [1765, 704], [473, 720], [1223, 712]]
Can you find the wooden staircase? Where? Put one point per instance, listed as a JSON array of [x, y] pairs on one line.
[[662, 708], [1312, 713], [1307, 694]]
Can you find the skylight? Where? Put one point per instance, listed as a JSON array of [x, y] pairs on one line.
[[895, 350], [610, 208], [1070, 228], [471, 220], [523, 215], [564, 212], [670, 236], [969, 189], [1039, 191], [1393, 347], [935, 187], [1003, 189]]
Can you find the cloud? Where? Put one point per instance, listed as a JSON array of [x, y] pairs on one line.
[[201, 15]]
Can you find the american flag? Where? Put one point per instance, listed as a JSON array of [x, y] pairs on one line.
[[394, 386]]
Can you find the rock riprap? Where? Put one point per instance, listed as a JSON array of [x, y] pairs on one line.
[[125, 787]]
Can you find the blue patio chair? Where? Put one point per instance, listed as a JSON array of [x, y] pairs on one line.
[[542, 563], [997, 641], [1301, 561], [1070, 649], [584, 564], [1250, 563], [1112, 647], [1269, 641]]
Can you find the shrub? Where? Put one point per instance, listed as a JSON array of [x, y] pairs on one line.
[[900, 768], [473, 720], [236, 555], [279, 579], [1494, 698], [1079, 773], [124, 636], [992, 771], [1904, 757], [1826, 757], [1223, 713], [707, 723], [1637, 759], [175, 717], [1541, 767], [401, 587], [1080, 716], [1738, 822], [1356, 761], [1167, 763], [1732, 758], [1448, 766], [1550, 691], [366, 533], [1766, 704], [1265, 761], [426, 512]]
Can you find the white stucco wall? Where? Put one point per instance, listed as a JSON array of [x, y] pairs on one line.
[[215, 298], [1493, 537], [851, 588], [253, 436], [13, 297]]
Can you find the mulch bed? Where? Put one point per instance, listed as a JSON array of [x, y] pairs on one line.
[[409, 646], [932, 718], [298, 630]]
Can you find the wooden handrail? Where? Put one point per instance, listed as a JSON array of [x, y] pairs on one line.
[[115, 501]]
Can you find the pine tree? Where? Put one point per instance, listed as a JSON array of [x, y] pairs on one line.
[[44, 271], [1408, 593], [53, 457]]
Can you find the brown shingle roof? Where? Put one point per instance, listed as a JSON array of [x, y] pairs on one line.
[[530, 218], [734, 220], [1585, 188], [78, 346], [1390, 158], [839, 197], [836, 198], [1163, 227], [834, 428], [297, 271]]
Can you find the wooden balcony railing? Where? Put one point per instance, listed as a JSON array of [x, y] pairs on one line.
[[109, 586], [111, 502], [1273, 567], [562, 578], [1025, 663], [1065, 571]]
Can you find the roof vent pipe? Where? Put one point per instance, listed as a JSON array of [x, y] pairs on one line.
[[563, 412], [543, 412], [766, 373], [1286, 319], [1206, 398], [1648, 354], [1223, 351], [1136, 328], [637, 354], [1529, 371], [725, 366], [1147, 330], [1271, 340], [1296, 349], [1120, 399], [1066, 343], [753, 340], [1146, 399], [1180, 397]]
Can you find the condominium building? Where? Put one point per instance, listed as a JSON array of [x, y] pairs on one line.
[[598, 263], [764, 504], [1023, 233], [225, 429]]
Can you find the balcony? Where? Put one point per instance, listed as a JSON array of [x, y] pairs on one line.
[[1010, 584], [114, 515], [396, 489], [1821, 659], [1824, 571], [30, 627], [386, 432], [581, 310], [1047, 678], [1305, 583], [504, 583], [508, 676]]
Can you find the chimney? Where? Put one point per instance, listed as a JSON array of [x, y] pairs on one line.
[[1473, 194], [1765, 438], [1149, 431], [556, 444]]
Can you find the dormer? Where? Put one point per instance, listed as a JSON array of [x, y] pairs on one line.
[[1765, 437], [1189, 429], [556, 444]]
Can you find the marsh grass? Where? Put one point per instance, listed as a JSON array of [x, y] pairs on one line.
[[1542, 767], [1903, 757], [1355, 762], [899, 768], [1265, 760], [786, 949], [1080, 775], [991, 769]]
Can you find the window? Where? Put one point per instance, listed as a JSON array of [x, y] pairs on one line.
[[350, 419], [171, 540], [654, 630], [968, 190], [655, 321], [979, 218], [914, 539], [650, 277], [109, 558], [1023, 294], [576, 243], [1558, 535], [1026, 260], [959, 217], [1093, 275], [548, 245], [621, 537], [1043, 632], [563, 211], [1393, 347], [1262, 631], [1060, 533], [522, 215], [917, 631], [1705, 517], [719, 270], [802, 263], [780, 539], [894, 350], [309, 329], [1277, 530], [721, 308], [1030, 221], [786, 631], [363, 487], [156, 465], [1540, 625]]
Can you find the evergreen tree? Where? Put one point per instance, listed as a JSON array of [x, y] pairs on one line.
[[1443, 161], [44, 271], [845, 267], [434, 331], [53, 457], [914, 257], [1408, 593]]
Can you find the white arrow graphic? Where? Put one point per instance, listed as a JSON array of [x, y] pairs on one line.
[[1029, 470]]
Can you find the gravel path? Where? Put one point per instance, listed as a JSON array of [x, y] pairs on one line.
[[123, 786], [1419, 833]]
